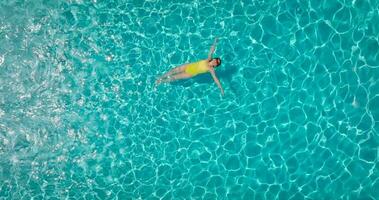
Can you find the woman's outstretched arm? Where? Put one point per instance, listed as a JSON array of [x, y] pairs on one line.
[[212, 71], [212, 50]]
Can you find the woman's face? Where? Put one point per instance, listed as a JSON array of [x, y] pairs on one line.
[[215, 62]]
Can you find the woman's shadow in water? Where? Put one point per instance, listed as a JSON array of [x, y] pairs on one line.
[[222, 75]]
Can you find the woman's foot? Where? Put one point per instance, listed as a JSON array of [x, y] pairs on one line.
[[158, 81]]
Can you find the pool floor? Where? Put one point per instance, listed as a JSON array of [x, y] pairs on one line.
[[81, 118]]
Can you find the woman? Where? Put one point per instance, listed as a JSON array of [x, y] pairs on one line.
[[192, 69]]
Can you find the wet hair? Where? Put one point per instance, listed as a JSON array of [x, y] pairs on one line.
[[219, 61]]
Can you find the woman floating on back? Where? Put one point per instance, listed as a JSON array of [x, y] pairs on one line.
[[192, 69]]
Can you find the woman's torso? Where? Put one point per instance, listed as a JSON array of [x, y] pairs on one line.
[[198, 67]]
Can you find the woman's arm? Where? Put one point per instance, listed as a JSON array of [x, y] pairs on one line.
[[212, 71], [212, 50]]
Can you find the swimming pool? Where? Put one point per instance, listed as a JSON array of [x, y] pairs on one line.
[[80, 117]]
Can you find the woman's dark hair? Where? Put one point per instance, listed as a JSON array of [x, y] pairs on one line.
[[218, 60]]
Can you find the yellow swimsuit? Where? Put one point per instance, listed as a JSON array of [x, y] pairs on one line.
[[197, 67]]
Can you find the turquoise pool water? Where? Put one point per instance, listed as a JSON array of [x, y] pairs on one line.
[[80, 117]]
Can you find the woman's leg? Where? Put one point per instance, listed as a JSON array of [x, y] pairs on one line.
[[176, 70], [175, 77]]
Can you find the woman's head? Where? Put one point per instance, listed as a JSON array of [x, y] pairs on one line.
[[216, 62]]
